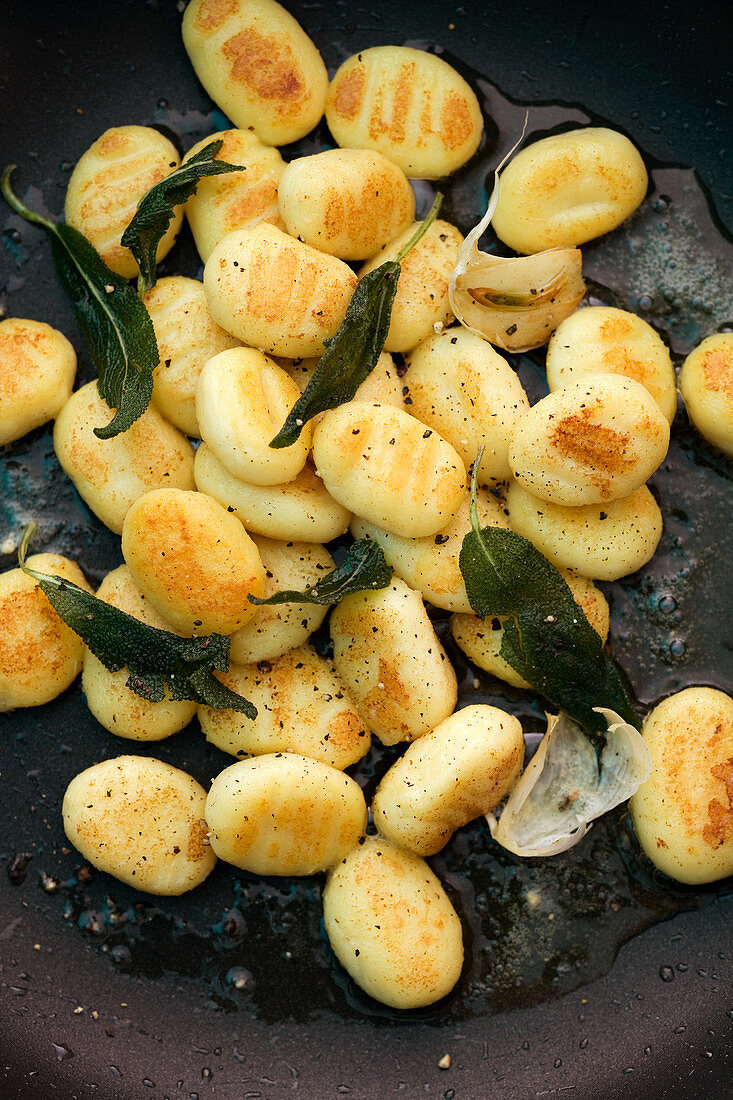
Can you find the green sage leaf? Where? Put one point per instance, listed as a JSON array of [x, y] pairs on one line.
[[351, 355], [156, 208], [546, 637], [156, 659], [364, 567], [114, 322]]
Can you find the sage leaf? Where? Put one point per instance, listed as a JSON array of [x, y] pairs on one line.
[[351, 355], [363, 567], [546, 637], [114, 322], [156, 208], [156, 659]]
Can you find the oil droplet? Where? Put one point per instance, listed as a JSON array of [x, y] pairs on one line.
[[583, 1043], [645, 303], [148, 1083], [240, 978], [206, 1073], [682, 967], [677, 648], [557, 1063], [667, 604], [681, 1029], [62, 1052], [666, 973]]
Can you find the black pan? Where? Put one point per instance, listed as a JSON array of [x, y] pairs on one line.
[[106, 994]]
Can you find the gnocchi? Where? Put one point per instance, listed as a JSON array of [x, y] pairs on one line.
[[37, 371]]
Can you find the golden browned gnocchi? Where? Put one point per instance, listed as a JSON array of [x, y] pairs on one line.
[[421, 302], [480, 639], [430, 564], [706, 385], [604, 340], [347, 202], [392, 926], [142, 821], [302, 707], [231, 200], [407, 104], [107, 184], [604, 542], [460, 770], [464, 389], [110, 474], [242, 400], [593, 441], [37, 371], [187, 337], [257, 64], [301, 509], [388, 655], [383, 465], [568, 188], [283, 814], [276, 628], [276, 293], [683, 814], [115, 706], [193, 560], [40, 656]]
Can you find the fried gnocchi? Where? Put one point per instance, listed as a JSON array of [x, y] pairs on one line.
[[257, 64], [391, 925], [111, 474], [284, 814], [706, 385], [107, 184], [407, 104], [40, 656], [141, 821], [37, 371], [683, 814], [568, 188], [347, 202]]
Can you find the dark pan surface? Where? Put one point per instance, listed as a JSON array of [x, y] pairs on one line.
[[87, 1009]]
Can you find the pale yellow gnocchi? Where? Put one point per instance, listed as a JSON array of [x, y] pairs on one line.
[[275, 293], [111, 474], [273, 629], [421, 303], [242, 400], [706, 385], [40, 656], [392, 926], [141, 821], [386, 467], [407, 104], [389, 657], [231, 200], [464, 389], [284, 814], [347, 202], [605, 340], [592, 442], [604, 542], [460, 770], [116, 706], [430, 564], [107, 184], [568, 188], [300, 509], [257, 64], [187, 337], [302, 707], [193, 560], [37, 371], [683, 814]]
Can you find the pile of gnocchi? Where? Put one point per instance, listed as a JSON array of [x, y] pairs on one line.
[[209, 514]]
